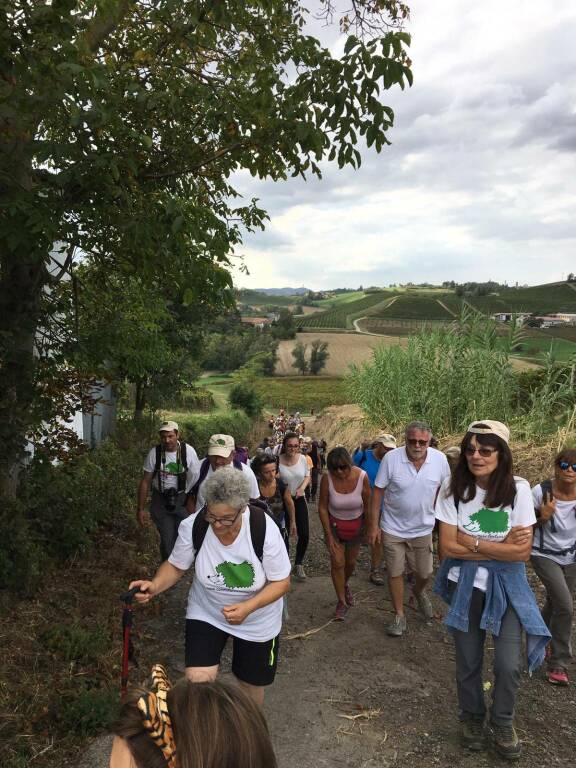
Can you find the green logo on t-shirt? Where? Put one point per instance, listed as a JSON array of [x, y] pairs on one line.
[[236, 576], [488, 521], [174, 468]]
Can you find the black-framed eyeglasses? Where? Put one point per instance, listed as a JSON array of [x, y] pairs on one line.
[[413, 441], [226, 522], [484, 451], [292, 445], [565, 465]]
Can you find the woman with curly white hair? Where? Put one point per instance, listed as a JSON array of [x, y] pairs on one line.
[[242, 570]]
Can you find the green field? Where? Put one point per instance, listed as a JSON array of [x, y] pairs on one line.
[[536, 348], [341, 298], [414, 307], [342, 316], [246, 296], [301, 393]]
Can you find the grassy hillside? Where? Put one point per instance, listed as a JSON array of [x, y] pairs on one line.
[[342, 316], [246, 296], [301, 393]]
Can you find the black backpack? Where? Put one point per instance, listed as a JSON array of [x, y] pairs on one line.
[[258, 512], [182, 475]]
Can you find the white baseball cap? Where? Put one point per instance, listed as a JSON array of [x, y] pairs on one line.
[[221, 445]]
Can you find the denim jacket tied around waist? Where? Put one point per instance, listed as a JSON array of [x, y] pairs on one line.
[[507, 585]]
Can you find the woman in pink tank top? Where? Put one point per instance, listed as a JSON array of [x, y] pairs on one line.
[[343, 507]]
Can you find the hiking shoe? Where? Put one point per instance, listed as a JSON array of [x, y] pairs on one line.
[[341, 611], [557, 676], [397, 626], [425, 606], [299, 573], [505, 740], [377, 578], [473, 736], [349, 597]]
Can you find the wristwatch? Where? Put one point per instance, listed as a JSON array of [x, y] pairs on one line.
[[476, 546]]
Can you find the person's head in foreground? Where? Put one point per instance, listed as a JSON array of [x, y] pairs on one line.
[[226, 492], [191, 725], [485, 461]]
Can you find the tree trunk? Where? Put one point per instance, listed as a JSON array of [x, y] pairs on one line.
[[140, 399], [22, 281]]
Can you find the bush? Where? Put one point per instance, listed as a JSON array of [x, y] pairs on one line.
[[88, 712], [61, 506], [198, 428], [197, 399], [244, 396], [74, 643]]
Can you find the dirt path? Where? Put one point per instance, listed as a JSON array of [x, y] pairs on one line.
[[349, 695]]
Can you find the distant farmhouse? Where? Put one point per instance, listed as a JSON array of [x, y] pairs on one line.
[[258, 322]]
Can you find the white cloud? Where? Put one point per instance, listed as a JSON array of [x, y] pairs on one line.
[[480, 181]]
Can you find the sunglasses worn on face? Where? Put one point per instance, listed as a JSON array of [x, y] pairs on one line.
[[226, 522], [413, 441], [564, 465], [341, 467], [484, 452]]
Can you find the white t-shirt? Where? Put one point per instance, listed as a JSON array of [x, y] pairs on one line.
[[565, 534], [408, 502], [483, 523], [225, 575], [294, 475], [170, 470], [254, 490]]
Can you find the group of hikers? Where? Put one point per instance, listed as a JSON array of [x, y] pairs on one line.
[[234, 522]]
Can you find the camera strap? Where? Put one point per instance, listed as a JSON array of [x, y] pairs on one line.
[[181, 461]]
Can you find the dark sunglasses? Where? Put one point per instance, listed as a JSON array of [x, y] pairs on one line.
[[483, 451], [564, 465], [341, 467], [413, 441]]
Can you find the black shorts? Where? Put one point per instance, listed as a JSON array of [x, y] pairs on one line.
[[252, 662]]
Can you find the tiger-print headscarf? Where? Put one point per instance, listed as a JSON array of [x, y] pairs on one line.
[[155, 715]]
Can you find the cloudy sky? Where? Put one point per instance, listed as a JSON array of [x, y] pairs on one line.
[[480, 180]]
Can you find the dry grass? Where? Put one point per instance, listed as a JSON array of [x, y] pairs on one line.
[[345, 425], [344, 348], [38, 683]]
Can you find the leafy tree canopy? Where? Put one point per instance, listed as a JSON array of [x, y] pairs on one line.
[[121, 122]]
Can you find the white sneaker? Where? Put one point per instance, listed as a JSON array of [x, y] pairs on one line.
[[299, 573]]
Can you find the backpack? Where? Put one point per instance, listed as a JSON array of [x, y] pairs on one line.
[[181, 475], [204, 467], [258, 512], [546, 486]]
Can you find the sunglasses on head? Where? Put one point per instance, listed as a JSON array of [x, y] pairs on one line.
[[484, 451], [564, 465], [413, 441]]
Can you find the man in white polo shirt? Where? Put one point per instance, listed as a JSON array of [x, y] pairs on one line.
[[402, 515]]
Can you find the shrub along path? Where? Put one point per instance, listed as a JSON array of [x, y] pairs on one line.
[[349, 695]]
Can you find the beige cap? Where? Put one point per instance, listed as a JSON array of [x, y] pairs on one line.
[[168, 426], [221, 445], [388, 441], [452, 450], [489, 427]]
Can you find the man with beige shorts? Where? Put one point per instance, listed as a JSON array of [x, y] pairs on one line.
[[402, 516]]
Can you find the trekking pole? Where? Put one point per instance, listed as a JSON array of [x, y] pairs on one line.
[[127, 646]]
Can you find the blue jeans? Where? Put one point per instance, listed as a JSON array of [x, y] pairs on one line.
[[507, 665]]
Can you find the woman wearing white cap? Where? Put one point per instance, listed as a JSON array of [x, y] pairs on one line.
[[486, 516]]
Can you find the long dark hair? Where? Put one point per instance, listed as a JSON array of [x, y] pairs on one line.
[[501, 490], [289, 436]]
